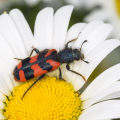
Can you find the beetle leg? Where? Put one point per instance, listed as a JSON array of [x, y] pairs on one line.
[[18, 59], [66, 46], [33, 84], [86, 61], [68, 68], [34, 49], [78, 93], [60, 73], [82, 44]]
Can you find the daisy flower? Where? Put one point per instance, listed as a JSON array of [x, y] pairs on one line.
[[32, 2], [77, 3], [51, 98], [109, 12]]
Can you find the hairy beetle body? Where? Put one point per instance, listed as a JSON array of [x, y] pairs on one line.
[[37, 65], [47, 61]]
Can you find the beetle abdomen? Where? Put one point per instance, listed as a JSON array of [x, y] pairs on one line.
[[37, 65], [23, 71]]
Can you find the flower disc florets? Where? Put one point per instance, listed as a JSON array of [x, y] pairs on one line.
[[48, 99]]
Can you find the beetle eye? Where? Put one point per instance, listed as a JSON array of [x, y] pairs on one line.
[[77, 57], [76, 54]]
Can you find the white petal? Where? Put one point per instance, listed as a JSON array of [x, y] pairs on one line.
[[105, 79], [23, 28], [103, 49], [82, 37], [61, 21], [7, 56], [86, 31], [44, 29], [111, 96], [96, 15], [2, 105], [11, 34], [2, 97], [2, 117], [13, 80], [96, 37], [97, 98], [104, 110], [94, 58], [7, 61], [3, 87], [103, 119], [6, 79], [74, 32]]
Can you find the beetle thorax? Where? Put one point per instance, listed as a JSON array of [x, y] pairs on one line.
[[65, 56], [68, 55]]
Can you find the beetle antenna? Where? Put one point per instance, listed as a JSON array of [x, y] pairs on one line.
[[82, 44], [86, 61]]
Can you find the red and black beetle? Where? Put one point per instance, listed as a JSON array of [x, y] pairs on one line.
[[46, 61]]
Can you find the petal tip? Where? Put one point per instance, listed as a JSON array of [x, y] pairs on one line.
[[15, 10]]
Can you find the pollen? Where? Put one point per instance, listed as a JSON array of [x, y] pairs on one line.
[[49, 99]]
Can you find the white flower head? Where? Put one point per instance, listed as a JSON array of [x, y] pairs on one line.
[[32, 2], [109, 12], [16, 41], [77, 3]]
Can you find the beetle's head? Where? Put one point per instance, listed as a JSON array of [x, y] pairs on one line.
[[78, 55]]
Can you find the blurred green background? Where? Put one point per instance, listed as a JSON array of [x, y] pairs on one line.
[[31, 10]]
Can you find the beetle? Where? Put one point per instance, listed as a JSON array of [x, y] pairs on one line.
[[46, 61]]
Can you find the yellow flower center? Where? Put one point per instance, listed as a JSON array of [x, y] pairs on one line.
[[48, 99], [117, 3]]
